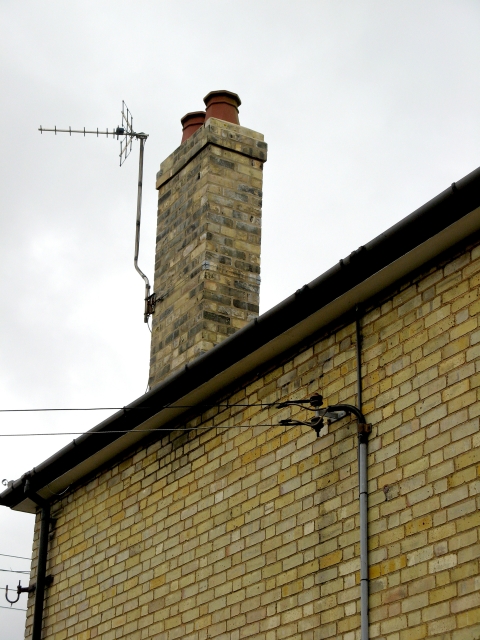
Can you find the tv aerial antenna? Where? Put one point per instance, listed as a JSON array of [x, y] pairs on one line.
[[127, 135]]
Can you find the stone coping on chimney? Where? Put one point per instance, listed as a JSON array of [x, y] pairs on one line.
[[223, 134]]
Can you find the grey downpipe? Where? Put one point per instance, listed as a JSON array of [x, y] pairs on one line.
[[42, 562], [363, 431], [363, 495]]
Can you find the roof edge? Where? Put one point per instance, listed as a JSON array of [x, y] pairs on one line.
[[264, 333]]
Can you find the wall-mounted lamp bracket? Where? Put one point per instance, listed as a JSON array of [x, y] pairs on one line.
[[333, 416]]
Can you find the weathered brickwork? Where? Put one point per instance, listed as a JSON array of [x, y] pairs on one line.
[[239, 529], [208, 243]]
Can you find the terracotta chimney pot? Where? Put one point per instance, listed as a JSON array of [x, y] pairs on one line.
[[191, 122], [222, 105]]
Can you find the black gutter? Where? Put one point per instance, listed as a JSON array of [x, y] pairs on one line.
[[424, 223]]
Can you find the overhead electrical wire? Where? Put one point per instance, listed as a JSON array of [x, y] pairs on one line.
[[13, 571], [263, 405], [7, 555], [102, 433], [13, 608], [166, 406]]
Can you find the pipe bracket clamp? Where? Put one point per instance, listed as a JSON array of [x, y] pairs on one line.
[[364, 428]]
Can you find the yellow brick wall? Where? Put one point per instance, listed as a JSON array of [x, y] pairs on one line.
[[239, 529]]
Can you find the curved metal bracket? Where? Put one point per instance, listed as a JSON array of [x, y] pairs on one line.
[[331, 414], [20, 590], [316, 423], [8, 599]]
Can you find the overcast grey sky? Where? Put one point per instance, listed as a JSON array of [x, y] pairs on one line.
[[369, 108]]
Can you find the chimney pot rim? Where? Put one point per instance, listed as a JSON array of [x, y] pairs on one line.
[[231, 98], [192, 114]]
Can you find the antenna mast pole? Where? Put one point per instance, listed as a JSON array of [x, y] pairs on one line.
[[149, 301]]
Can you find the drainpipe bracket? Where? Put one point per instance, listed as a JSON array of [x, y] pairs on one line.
[[364, 429]]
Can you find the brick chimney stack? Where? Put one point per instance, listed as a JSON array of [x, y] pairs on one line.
[[207, 264]]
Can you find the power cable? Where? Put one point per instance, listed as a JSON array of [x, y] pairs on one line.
[[166, 406], [13, 571], [101, 433], [7, 555], [13, 608]]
